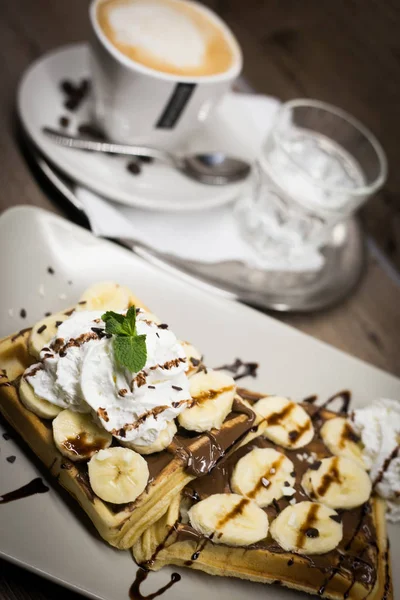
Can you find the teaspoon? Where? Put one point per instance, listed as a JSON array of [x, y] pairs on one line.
[[212, 168]]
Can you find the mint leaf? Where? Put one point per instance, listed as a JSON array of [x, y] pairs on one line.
[[131, 352], [114, 322], [129, 348], [130, 321]]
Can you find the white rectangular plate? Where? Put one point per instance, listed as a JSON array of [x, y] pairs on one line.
[[47, 533]]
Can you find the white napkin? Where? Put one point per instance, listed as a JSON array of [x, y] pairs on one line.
[[207, 236]]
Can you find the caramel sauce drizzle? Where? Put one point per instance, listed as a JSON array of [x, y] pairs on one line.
[[295, 434], [309, 522], [236, 511], [211, 394], [332, 476], [81, 446], [268, 475], [276, 418], [347, 435]]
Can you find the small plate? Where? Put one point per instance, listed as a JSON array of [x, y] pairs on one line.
[[157, 187], [48, 533]]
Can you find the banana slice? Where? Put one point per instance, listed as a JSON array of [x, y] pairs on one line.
[[339, 437], [193, 358], [163, 440], [40, 407], [108, 295], [213, 393], [338, 482], [229, 519], [307, 528], [287, 423], [44, 331], [118, 475], [77, 436], [262, 475]]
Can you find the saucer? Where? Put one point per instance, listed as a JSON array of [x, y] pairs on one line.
[[234, 127], [344, 261]]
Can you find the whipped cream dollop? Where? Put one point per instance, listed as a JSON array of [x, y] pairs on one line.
[[78, 371], [378, 426]]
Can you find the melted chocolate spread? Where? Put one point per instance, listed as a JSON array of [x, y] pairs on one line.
[[198, 452], [355, 556]]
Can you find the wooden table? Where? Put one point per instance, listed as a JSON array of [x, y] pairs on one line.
[[367, 324]]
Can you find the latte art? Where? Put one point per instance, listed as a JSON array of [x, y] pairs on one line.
[[170, 36]]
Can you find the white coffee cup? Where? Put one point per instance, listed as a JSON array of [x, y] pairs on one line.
[[134, 103]]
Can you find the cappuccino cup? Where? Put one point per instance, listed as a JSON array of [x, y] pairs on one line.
[[159, 68]]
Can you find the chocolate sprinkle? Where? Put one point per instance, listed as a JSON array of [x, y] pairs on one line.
[[82, 302], [91, 131], [315, 465], [133, 167], [151, 387], [63, 122], [176, 387], [7, 436], [50, 270], [336, 518], [195, 361], [42, 328], [11, 459], [163, 326], [58, 323], [22, 313], [47, 314]]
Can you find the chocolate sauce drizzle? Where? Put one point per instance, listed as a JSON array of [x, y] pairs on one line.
[[386, 465], [141, 576], [387, 586], [240, 369], [344, 396], [143, 572], [20, 333], [36, 486]]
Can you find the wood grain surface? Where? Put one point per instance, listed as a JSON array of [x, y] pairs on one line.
[[346, 52]]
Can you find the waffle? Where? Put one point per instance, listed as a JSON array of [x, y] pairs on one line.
[[358, 567], [188, 456]]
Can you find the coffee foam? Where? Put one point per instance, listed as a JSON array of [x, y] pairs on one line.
[[166, 36]]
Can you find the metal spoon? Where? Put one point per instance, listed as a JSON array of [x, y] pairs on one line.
[[214, 168]]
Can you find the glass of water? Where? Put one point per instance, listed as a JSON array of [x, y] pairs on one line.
[[317, 166]]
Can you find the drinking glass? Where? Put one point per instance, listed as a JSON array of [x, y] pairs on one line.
[[318, 165]]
